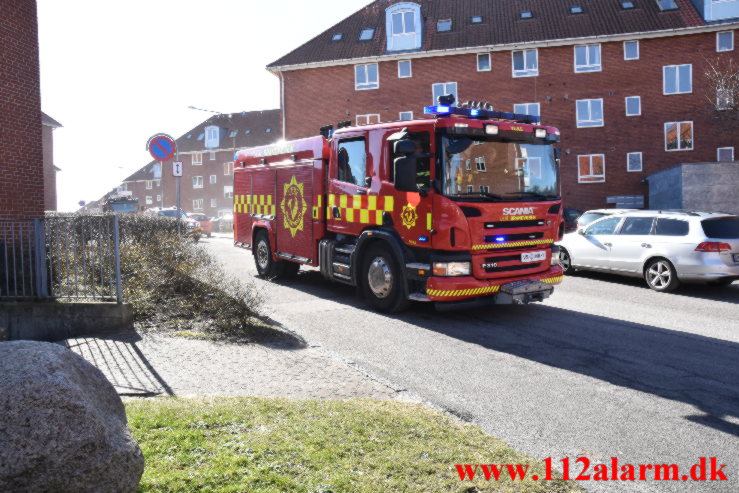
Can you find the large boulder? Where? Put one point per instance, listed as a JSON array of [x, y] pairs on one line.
[[63, 427]]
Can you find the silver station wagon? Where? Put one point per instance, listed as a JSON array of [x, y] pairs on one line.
[[664, 247]]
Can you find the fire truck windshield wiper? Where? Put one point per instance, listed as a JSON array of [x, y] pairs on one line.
[[479, 194], [533, 194]]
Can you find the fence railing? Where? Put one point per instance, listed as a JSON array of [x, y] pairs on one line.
[[61, 257]]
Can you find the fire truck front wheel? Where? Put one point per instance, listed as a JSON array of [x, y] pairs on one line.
[[266, 265], [381, 280]]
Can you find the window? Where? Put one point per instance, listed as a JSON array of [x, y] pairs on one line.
[[725, 154], [443, 89], [637, 226], [589, 113], [470, 188], [214, 202], [525, 63], [476, 19], [122, 188], [633, 162], [526, 14], [604, 227], [337, 37], [403, 25], [149, 184], [197, 204], [576, 9], [405, 69], [368, 119], [268, 130], [228, 191], [627, 5], [366, 77], [366, 34], [633, 105], [233, 134], [201, 136], [197, 182], [631, 50], [724, 98], [678, 79], [484, 189], [211, 137], [527, 109], [197, 158], [247, 132], [725, 41], [671, 227], [212, 156], [352, 161], [480, 164], [587, 58], [406, 115], [444, 25], [149, 200], [228, 168], [667, 5], [591, 168], [213, 179], [467, 164], [679, 136], [483, 62]]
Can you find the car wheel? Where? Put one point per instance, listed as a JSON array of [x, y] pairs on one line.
[[661, 276], [266, 265], [565, 261], [381, 280]]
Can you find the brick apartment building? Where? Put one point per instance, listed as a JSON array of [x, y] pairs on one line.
[[206, 153], [623, 80], [21, 155]]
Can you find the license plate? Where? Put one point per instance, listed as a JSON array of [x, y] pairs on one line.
[[529, 257], [736, 258]]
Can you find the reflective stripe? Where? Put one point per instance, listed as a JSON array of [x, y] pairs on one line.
[[511, 245], [361, 209], [463, 292], [255, 204], [429, 219]]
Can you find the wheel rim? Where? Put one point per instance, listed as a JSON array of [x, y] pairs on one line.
[[262, 255], [564, 260], [659, 275], [380, 278]]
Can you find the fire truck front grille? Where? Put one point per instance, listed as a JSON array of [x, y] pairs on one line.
[[509, 268], [515, 224]]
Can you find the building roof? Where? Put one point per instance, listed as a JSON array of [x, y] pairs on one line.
[[49, 121], [501, 25]]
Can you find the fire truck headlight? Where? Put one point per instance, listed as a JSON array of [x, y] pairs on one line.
[[492, 129], [555, 255], [450, 269], [540, 133]]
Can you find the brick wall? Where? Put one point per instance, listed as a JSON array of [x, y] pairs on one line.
[[21, 160], [314, 97]]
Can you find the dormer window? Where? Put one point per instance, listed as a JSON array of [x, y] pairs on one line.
[[444, 25], [627, 5], [366, 34], [476, 19], [337, 37], [527, 14], [667, 5], [403, 26], [576, 9], [211, 137]]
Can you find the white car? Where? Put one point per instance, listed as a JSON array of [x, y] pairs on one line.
[[663, 247]]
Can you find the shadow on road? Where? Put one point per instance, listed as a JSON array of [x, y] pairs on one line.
[[697, 370]]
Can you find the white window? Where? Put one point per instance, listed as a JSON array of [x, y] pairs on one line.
[[211, 137], [212, 156], [483, 62], [725, 41], [480, 164], [589, 113], [228, 191], [213, 179], [631, 50], [443, 89], [405, 69], [149, 200], [214, 202], [525, 63], [406, 115], [366, 77], [197, 204], [633, 105], [678, 79], [197, 158], [149, 184], [527, 109], [368, 119], [484, 189], [197, 182], [633, 161], [587, 58], [403, 25], [159, 198], [679, 136], [228, 168], [725, 154], [591, 168], [470, 188]]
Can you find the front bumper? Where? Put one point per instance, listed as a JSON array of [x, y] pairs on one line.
[[463, 288]]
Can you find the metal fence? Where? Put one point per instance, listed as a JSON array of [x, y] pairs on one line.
[[61, 257]]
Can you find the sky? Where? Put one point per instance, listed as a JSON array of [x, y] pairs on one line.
[[116, 73]]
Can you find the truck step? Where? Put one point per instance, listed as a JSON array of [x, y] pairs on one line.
[[346, 249], [342, 270], [418, 297]]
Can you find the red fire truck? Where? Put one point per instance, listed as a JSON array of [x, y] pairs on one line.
[[460, 209]]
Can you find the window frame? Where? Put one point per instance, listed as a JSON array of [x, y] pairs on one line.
[[582, 69], [368, 116], [638, 49], [228, 168], [692, 136], [641, 162], [397, 41], [538, 109], [149, 184], [367, 84], [400, 116], [410, 69], [353, 138], [370, 30], [718, 153], [149, 200], [525, 72], [579, 122], [490, 62], [445, 92], [480, 164], [197, 182], [626, 105], [197, 204], [677, 81], [197, 158], [440, 21], [213, 179], [228, 191], [718, 43], [583, 178]]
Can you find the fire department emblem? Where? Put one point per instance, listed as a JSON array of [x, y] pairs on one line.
[[409, 216], [293, 206]]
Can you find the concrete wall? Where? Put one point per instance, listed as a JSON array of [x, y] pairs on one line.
[[666, 189], [708, 187]]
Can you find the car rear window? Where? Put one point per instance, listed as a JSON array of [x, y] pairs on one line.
[[637, 226], [724, 227], [671, 227]]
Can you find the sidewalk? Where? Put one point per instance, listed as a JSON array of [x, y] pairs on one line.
[[150, 365]]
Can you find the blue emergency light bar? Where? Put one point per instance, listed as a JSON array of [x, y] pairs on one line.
[[442, 111]]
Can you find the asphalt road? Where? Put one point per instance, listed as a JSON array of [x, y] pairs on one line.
[[604, 368]]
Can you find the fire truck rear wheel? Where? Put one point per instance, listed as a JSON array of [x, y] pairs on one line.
[[381, 280], [266, 265]]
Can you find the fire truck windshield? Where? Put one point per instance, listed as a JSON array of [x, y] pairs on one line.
[[478, 169]]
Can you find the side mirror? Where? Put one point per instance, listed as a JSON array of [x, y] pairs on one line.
[[405, 174], [404, 147]]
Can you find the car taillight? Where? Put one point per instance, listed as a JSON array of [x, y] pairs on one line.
[[713, 246]]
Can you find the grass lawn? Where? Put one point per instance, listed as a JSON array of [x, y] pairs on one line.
[[258, 445]]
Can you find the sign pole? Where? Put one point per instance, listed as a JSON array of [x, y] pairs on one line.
[[177, 181]]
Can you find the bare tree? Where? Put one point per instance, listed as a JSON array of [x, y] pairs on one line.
[[723, 86]]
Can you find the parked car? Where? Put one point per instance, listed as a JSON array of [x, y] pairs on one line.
[[588, 217], [193, 227], [206, 225], [664, 247]]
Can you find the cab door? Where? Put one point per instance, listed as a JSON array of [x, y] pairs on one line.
[[632, 244], [348, 206], [593, 248]]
